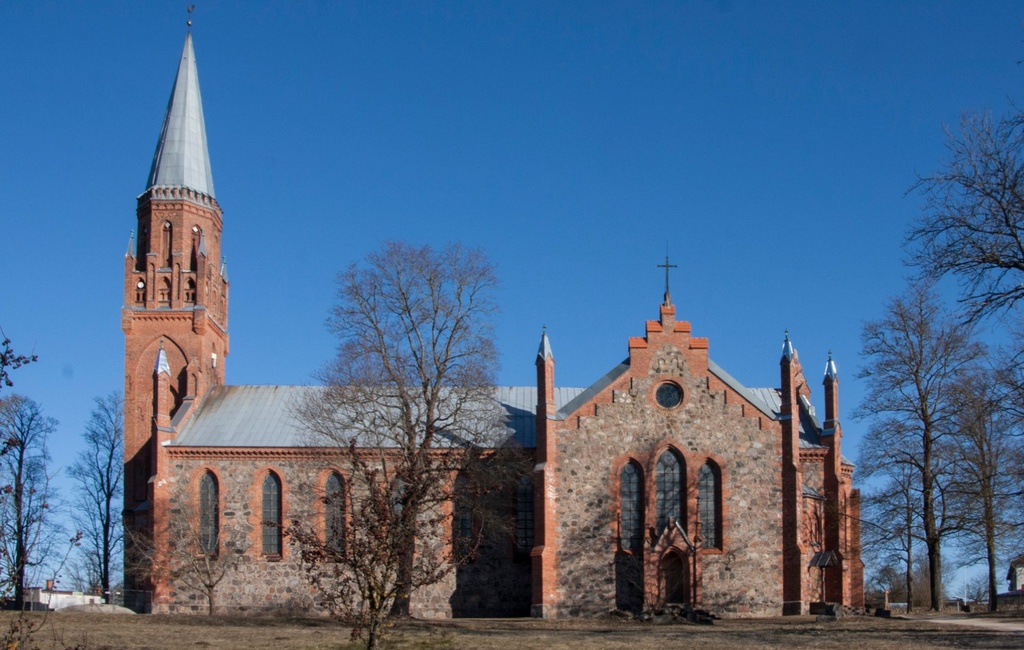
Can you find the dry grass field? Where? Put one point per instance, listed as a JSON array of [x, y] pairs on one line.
[[102, 632]]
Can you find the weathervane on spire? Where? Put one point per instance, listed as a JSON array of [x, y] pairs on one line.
[[189, 9], [667, 266]]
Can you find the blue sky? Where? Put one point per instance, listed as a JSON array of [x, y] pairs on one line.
[[768, 147]]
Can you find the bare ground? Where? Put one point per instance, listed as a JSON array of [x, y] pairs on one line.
[[97, 632]]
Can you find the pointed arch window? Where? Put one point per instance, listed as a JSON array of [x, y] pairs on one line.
[[524, 515], [209, 517], [334, 513], [271, 515], [164, 294], [165, 245], [462, 517], [669, 489], [709, 505], [631, 509], [190, 290]]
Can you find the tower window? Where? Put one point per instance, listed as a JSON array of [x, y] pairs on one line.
[[190, 290], [164, 294], [140, 292], [165, 245]]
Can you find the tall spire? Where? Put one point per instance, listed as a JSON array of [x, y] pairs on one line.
[[181, 158], [830, 368], [544, 352], [787, 348]]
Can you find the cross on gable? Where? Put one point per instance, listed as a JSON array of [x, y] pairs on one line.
[[667, 266]]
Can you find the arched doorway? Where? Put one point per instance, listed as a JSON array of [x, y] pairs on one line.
[[675, 578]]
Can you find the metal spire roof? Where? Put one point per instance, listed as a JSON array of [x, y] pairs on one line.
[[161, 361], [787, 348], [545, 346], [181, 158], [830, 368]]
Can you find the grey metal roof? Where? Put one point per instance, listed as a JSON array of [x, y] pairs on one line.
[[765, 399], [520, 402], [247, 416], [586, 394], [266, 416], [182, 158]]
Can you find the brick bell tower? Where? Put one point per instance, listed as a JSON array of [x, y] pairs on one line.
[[175, 313]]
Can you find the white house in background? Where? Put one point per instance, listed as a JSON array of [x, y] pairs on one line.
[[51, 598]]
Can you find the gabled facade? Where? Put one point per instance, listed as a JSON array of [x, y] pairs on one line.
[[669, 481], [665, 481]]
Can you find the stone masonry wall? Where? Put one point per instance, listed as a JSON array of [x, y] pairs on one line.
[[496, 583], [745, 576]]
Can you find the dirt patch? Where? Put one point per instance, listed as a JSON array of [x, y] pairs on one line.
[[94, 632]]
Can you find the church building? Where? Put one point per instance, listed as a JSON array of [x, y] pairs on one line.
[[664, 481]]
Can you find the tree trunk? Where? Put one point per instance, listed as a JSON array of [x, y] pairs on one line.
[[990, 553], [935, 573], [910, 580], [931, 534]]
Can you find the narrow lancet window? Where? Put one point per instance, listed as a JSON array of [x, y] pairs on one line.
[[631, 514], [271, 524], [209, 517], [462, 518], [709, 495], [334, 513], [524, 515], [669, 490], [165, 246]]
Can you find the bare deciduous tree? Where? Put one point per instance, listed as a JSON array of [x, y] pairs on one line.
[[24, 505], [915, 356], [10, 360], [984, 487], [891, 521], [973, 224], [195, 556], [98, 472], [411, 398]]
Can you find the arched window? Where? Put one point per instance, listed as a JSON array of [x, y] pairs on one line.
[[462, 517], [334, 513], [631, 504], [669, 489], [164, 293], [165, 246], [193, 258], [709, 496], [524, 515], [271, 515], [209, 517], [190, 290]]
